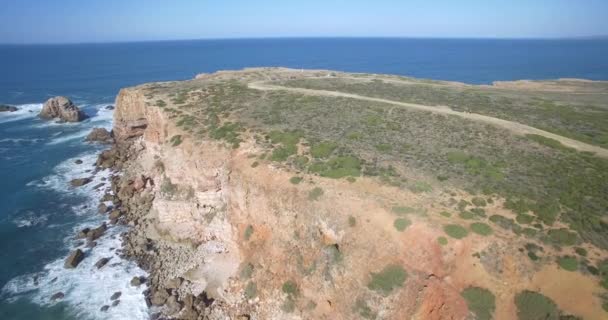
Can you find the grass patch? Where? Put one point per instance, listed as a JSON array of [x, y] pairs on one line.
[[296, 180], [315, 194], [442, 241], [399, 210], [401, 224], [563, 237], [568, 263], [352, 221], [524, 218], [251, 290], [420, 187], [323, 149], [480, 301], [581, 251], [455, 231], [388, 279], [481, 228], [246, 271], [534, 306], [176, 140], [551, 143]]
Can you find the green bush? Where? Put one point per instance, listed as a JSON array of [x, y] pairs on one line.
[[251, 290], [296, 180], [481, 228], [445, 214], [524, 218], [421, 186], [352, 221], [176, 140], [535, 306], [442, 241], [248, 232], [581, 251], [568, 263], [455, 231], [323, 149], [480, 301], [290, 288], [478, 201], [563, 237], [315, 194], [255, 164], [385, 281], [364, 310], [401, 224]]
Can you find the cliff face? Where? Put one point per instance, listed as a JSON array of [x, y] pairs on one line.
[[225, 234]]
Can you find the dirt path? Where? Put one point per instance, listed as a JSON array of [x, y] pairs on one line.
[[515, 127]]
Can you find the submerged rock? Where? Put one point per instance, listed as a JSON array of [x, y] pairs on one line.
[[110, 107], [74, 259], [57, 296], [5, 108], [78, 161], [100, 135], [116, 295], [101, 262], [104, 308], [61, 108]]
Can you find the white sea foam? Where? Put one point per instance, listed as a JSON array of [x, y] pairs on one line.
[[25, 111], [30, 219], [101, 119], [86, 288]]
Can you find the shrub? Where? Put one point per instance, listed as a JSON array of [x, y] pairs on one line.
[[290, 288], [296, 180], [568, 263], [563, 237], [455, 231], [524, 218], [248, 232], [480, 301], [581, 251], [251, 290], [255, 164], [315, 194], [246, 271], [323, 149], [385, 281], [445, 214], [467, 215], [421, 186], [364, 310], [401, 224], [534, 306], [442, 241], [479, 202], [352, 221], [481, 228], [176, 140]]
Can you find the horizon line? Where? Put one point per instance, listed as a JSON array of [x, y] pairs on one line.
[[592, 37]]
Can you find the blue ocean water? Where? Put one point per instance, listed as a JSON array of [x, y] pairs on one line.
[[39, 213]]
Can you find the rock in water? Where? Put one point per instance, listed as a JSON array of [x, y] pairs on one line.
[[5, 108], [100, 135], [63, 109], [74, 259], [80, 182], [116, 295], [101, 262], [57, 296]]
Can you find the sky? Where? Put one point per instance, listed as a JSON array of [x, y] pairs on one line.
[[73, 21]]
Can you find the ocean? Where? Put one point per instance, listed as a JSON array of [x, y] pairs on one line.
[[40, 213]]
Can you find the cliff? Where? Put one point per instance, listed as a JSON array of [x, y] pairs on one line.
[[242, 207]]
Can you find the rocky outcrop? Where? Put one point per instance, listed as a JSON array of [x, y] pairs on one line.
[[5, 108], [100, 135], [79, 182], [63, 109]]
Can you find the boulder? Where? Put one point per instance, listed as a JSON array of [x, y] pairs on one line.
[[174, 283], [104, 308], [79, 182], [96, 233], [63, 109], [83, 233], [110, 107], [91, 244], [5, 108], [137, 281], [159, 297], [101, 262], [102, 208], [100, 135], [74, 259], [78, 161], [115, 303], [57, 296]]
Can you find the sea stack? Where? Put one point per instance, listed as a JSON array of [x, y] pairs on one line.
[[63, 109]]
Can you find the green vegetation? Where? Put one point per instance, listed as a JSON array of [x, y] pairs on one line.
[[399, 210], [524, 218], [161, 103], [481, 228], [338, 167], [442, 241], [534, 306], [385, 281], [568, 263], [581, 251], [248, 232], [421, 186], [290, 288], [445, 214], [315, 194], [323, 149], [362, 309], [401, 224], [246, 271], [548, 142], [563, 237], [176, 140], [251, 290], [255, 164], [480, 301], [455, 231], [479, 202], [296, 180], [352, 222]]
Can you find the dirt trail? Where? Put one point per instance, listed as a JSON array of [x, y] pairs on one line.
[[515, 127]]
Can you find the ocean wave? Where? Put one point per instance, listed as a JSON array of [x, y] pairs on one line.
[[30, 219], [25, 111]]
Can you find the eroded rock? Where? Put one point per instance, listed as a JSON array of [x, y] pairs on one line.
[[100, 135], [74, 259], [63, 109]]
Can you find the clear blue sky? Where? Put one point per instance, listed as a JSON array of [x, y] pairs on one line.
[[60, 21]]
